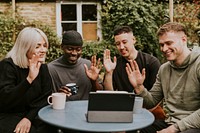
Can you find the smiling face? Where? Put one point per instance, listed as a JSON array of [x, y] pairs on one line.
[[40, 49], [72, 53], [172, 45], [125, 44]]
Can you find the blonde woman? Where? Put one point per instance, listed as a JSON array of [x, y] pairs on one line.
[[25, 83]]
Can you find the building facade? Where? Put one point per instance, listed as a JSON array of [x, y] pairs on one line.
[[62, 15]]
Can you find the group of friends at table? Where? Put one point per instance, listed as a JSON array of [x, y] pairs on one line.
[[171, 90]]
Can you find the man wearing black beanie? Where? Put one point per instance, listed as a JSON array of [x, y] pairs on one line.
[[72, 38], [72, 68]]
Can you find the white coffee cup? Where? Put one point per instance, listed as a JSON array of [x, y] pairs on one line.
[[57, 100], [138, 104]]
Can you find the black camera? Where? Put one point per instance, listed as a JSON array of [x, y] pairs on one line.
[[73, 87]]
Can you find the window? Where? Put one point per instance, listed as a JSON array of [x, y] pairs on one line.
[[68, 17], [89, 12], [79, 16]]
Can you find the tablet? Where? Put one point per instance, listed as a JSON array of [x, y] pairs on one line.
[[110, 106]]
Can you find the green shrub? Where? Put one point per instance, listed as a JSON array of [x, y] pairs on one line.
[[187, 12], [10, 28], [143, 16], [97, 48], [7, 32]]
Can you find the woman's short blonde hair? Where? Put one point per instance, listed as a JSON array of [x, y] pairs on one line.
[[26, 42]]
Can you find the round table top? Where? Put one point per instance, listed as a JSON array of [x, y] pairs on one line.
[[74, 117]]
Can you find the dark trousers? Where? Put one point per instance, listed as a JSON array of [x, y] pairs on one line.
[[159, 125], [191, 131], [8, 122]]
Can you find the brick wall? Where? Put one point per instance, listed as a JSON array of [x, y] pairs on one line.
[[45, 12], [5, 7]]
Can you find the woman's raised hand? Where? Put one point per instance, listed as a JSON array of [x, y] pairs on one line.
[[34, 67]]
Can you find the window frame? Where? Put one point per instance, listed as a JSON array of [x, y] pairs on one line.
[[79, 17]]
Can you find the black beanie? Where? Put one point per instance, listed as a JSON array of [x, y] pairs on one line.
[[72, 38]]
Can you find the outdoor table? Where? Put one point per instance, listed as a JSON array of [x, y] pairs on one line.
[[74, 117]]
